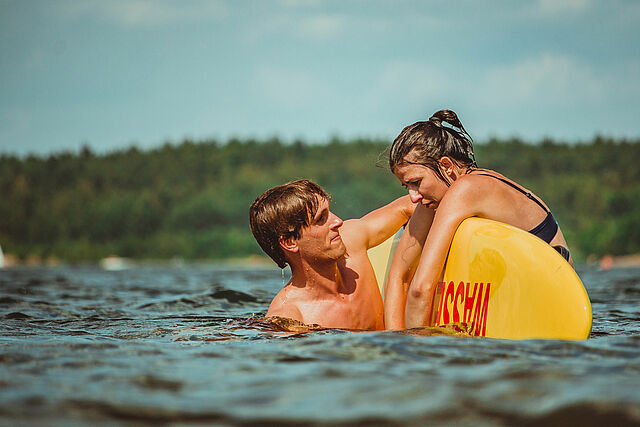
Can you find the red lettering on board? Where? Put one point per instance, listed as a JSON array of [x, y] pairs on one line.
[[450, 292], [473, 305], [439, 314], [468, 301], [480, 318], [459, 293]]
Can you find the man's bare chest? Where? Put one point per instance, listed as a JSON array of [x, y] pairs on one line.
[[341, 311]]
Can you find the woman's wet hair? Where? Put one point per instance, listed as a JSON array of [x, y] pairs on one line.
[[425, 143]]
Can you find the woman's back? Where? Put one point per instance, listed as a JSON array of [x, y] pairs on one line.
[[508, 202]]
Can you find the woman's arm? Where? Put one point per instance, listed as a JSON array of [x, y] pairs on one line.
[[378, 225], [403, 266], [459, 203]]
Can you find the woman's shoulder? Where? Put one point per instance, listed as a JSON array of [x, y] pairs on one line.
[[475, 180], [473, 189], [495, 180], [481, 178]]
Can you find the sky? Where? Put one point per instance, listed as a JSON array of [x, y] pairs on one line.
[[114, 73]]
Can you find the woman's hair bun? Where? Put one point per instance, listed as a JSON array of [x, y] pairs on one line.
[[447, 116]]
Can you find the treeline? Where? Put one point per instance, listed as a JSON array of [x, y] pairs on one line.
[[191, 200]]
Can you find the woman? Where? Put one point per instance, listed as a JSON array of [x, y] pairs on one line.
[[436, 164]]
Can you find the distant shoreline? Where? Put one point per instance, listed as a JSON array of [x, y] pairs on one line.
[[606, 262], [254, 261], [191, 200]]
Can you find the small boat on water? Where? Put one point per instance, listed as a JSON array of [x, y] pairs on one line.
[[115, 263]]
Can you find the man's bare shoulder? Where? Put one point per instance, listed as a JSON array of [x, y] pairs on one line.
[[283, 305]]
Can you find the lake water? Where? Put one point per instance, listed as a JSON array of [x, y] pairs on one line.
[[184, 346]]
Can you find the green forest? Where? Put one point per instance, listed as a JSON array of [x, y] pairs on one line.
[[191, 200]]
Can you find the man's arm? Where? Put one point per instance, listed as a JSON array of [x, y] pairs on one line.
[[380, 224]]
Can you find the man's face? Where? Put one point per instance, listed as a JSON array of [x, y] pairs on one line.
[[321, 239]]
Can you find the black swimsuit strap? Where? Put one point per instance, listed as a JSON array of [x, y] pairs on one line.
[[526, 193]]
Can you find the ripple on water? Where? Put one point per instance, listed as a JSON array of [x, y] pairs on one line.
[[16, 315], [190, 345]]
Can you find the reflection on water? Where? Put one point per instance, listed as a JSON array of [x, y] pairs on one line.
[[189, 345]]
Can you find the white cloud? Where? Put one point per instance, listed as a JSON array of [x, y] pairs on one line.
[[549, 85], [321, 26], [552, 7], [410, 83], [289, 88], [145, 13], [300, 4], [547, 79], [314, 27]]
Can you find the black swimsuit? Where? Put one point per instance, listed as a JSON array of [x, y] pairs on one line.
[[548, 228]]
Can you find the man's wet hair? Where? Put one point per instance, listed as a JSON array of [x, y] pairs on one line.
[[282, 212]]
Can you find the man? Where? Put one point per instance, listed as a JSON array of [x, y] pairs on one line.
[[332, 281]]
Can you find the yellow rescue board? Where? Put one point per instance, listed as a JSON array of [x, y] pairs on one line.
[[502, 282]]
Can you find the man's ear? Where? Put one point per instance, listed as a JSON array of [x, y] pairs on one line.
[[288, 244]]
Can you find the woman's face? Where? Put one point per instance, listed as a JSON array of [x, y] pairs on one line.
[[423, 184]]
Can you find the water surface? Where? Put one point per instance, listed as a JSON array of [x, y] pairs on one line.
[[182, 346]]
